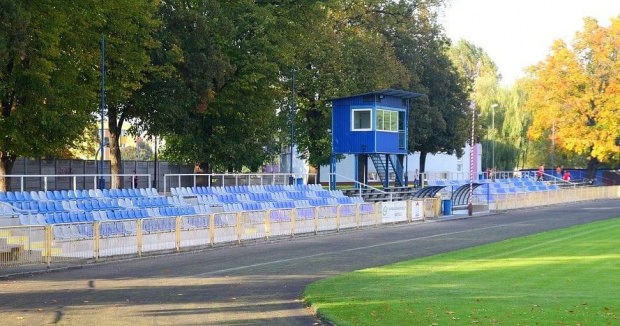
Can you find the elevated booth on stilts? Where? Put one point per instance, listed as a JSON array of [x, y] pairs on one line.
[[372, 126]]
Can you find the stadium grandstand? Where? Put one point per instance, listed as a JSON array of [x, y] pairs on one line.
[[47, 226]]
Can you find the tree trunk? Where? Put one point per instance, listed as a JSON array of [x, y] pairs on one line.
[[422, 161], [6, 168], [202, 168], [116, 166], [317, 179], [593, 164]]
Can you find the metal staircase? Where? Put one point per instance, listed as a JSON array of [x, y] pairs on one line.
[[394, 165]]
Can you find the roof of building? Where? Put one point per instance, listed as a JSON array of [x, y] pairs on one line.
[[385, 92]]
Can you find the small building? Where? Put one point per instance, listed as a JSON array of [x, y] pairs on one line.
[[372, 126]]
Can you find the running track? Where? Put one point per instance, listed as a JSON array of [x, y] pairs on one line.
[[254, 284]]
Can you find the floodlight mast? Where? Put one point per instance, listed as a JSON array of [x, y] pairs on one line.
[[102, 108], [292, 121]]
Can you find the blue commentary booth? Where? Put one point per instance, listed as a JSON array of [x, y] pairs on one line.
[[372, 126]]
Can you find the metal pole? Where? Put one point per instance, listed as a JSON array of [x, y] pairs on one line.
[[155, 174], [292, 118], [471, 160], [553, 146], [102, 105], [493, 144]]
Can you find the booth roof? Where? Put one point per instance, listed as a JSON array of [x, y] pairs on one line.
[[386, 92]]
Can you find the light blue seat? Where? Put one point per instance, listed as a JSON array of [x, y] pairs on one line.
[[50, 206], [73, 217], [10, 197]]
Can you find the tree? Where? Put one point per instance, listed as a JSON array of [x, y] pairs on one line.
[[46, 78], [141, 152], [439, 123], [128, 27], [337, 54], [217, 106], [576, 92]]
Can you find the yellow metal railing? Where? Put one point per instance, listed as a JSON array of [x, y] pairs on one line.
[[67, 242]]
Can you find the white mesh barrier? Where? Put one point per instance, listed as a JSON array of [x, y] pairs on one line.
[[367, 214], [117, 238], [23, 245], [225, 227], [72, 241], [348, 216], [327, 218], [158, 233], [280, 222], [253, 225], [195, 230], [304, 220]]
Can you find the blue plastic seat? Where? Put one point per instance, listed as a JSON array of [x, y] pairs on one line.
[[88, 216], [49, 218], [10, 196], [50, 206], [42, 207], [73, 217], [57, 217], [18, 196], [71, 195]]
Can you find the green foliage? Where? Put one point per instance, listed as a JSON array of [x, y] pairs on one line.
[[46, 76], [573, 96], [221, 93], [564, 277], [128, 27], [141, 152]]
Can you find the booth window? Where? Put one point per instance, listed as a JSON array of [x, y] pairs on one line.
[[387, 120], [362, 119]]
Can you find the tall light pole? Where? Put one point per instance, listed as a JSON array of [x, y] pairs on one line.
[[493, 106], [470, 206], [553, 145], [102, 107], [292, 119]]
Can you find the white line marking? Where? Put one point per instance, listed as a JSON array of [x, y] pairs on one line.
[[351, 249]]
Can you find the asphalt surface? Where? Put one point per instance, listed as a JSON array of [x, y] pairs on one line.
[[254, 284]]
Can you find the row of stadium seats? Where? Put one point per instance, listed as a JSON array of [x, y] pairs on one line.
[[190, 191], [49, 195]]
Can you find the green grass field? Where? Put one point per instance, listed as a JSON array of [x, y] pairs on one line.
[[563, 277]]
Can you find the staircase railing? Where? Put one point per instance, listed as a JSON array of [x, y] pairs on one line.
[[398, 169], [361, 185]]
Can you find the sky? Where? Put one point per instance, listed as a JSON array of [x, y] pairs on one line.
[[519, 33]]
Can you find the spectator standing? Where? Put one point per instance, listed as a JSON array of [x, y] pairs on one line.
[[540, 172], [566, 176], [134, 180]]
